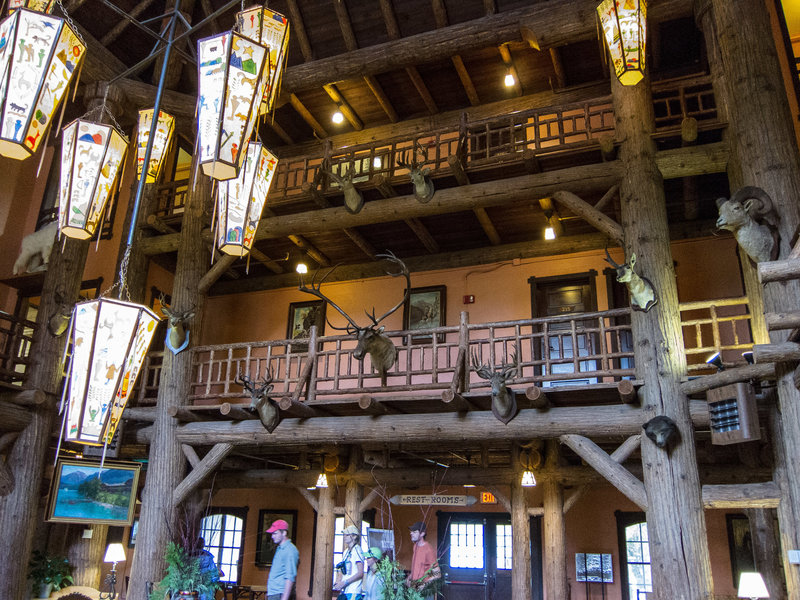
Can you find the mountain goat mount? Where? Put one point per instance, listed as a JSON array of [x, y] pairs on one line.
[[420, 178], [750, 216], [370, 339], [641, 291], [265, 407], [504, 401]]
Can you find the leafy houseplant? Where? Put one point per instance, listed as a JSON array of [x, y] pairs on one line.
[[394, 581], [184, 574], [49, 572]]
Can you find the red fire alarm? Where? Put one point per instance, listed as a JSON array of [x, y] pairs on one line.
[[469, 299]]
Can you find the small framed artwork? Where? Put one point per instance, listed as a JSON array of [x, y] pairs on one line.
[[591, 567], [84, 492], [424, 309], [302, 315], [134, 532], [265, 548]]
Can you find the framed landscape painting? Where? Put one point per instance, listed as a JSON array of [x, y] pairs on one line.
[[83, 492], [302, 315], [265, 547], [425, 309]]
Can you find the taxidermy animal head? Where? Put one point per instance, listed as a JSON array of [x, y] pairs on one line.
[[749, 215], [423, 186], [504, 402], [177, 334], [59, 321], [353, 200], [265, 407], [370, 339], [643, 296], [34, 252], [661, 430]]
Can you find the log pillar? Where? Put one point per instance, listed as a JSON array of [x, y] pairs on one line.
[[766, 548], [86, 554], [352, 504], [555, 542], [763, 152], [323, 547], [520, 542], [166, 460], [679, 555]]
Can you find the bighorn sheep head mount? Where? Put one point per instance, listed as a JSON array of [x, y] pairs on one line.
[[353, 200], [641, 291], [265, 407], [34, 251], [370, 339], [750, 216], [177, 338], [420, 178], [504, 401], [662, 431]]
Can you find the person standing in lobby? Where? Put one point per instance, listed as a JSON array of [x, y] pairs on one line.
[[283, 572]]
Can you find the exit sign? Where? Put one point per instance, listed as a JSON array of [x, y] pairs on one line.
[[488, 498]]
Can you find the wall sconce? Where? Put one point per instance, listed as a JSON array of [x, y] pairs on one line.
[[751, 585], [733, 414], [748, 357], [549, 230], [624, 27], [528, 479], [337, 117], [530, 459], [553, 227], [715, 360], [114, 553], [322, 480]]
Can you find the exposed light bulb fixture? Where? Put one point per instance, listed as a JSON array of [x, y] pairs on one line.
[[301, 268], [549, 231], [751, 585], [715, 360], [322, 481], [509, 80], [337, 117], [528, 479], [748, 357], [377, 162]]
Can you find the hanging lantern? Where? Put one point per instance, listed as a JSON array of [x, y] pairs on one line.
[[91, 155], [39, 54], [623, 23], [161, 142], [240, 201], [271, 29], [231, 86], [42, 6], [109, 341]]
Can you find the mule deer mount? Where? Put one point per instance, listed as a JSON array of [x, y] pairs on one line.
[[260, 402], [370, 339], [353, 200], [641, 291], [504, 401], [177, 338], [420, 178]]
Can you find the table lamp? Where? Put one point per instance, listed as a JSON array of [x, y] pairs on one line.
[[114, 553]]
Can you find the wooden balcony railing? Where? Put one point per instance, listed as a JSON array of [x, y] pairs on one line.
[[16, 337], [586, 349]]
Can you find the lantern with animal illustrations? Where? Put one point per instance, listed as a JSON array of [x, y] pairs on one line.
[[240, 201], [623, 24], [109, 341], [91, 156], [267, 27], [39, 55], [161, 142], [231, 85]]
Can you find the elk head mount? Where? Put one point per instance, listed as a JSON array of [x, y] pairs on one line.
[[177, 338], [265, 407], [749, 214], [370, 339], [504, 401], [420, 178], [353, 200], [641, 291]]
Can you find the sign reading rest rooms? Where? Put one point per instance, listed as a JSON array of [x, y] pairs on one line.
[[437, 500]]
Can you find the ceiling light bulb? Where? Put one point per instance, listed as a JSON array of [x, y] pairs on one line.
[[549, 233], [377, 162], [509, 80], [528, 479], [301, 268], [337, 117], [322, 481]]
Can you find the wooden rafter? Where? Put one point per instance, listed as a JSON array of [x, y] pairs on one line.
[[466, 80], [382, 98], [558, 68], [422, 89], [307, 116], [354, 236], [344, 106], [508, 61], [387, 191], [299, 30], [457, 167], [275, 126]]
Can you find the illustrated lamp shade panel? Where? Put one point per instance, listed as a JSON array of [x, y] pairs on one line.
[[231, 86], [624, 29], [271, 29], [161, 142], [43, 6], [240, 201], [109, 339], [39, 54]]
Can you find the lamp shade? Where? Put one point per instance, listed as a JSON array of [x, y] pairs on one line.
[[91, 155], [39, 54], [114, 553], [623, 24], [109, 341], [240, 201], [271, 29], [751, 585], [161, 141], [231, 86], [528, 479], [322, 480]]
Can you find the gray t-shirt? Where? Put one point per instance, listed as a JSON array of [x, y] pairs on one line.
[[284, 567]]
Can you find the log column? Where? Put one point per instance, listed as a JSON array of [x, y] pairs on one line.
[[764, 153], [679, 554], [323, 547], [555, 542], [86, 554], [520, 542], [166, 460]]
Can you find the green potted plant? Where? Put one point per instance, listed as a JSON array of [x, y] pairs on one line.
[[48, 572], [185, 579], [394, 581]]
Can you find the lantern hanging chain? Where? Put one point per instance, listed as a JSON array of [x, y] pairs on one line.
[[98, 111], [71, 23], [122, 277]]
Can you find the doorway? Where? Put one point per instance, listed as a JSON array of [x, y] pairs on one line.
[[475, 556]]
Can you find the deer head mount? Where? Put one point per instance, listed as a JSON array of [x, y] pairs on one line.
[[641, 291], [750, 216], [353, 200], [370, 339], [58, 322], [177, 338], [420, 178], [265, 407], [504, 402]]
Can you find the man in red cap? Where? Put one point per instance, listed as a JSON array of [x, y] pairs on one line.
[[283, 572], [424, 568]]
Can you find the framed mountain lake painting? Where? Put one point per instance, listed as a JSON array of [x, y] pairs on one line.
[[84, 492]]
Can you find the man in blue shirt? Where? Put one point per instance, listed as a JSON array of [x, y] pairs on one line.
[[283, 572]]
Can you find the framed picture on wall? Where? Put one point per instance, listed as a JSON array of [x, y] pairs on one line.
[[134, 532], [265, 548], [425, 308], [302, 315]]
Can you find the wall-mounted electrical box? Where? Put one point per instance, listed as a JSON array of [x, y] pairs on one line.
[[733, 414]]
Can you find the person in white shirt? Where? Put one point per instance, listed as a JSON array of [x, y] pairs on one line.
[[351, 571]]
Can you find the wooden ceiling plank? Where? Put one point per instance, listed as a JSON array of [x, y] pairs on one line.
[[382, 98], [508, 61], [466, 80], [489, 7], [344, 106], [345, 25], [299, 31], [307, 116], [422, 89]]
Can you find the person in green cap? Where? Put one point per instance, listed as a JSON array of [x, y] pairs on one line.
[[372, 584]]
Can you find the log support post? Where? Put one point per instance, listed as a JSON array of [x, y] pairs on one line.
[[520, 542], [323, 546], [555, 541], [202, 470], [354, 492]]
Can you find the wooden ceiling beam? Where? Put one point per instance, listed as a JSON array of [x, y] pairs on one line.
[[344, 106], [422, 90], [208, 10], [354, 236], [299, 30], [462, 178], [423, 235], [558, 68], [382, 98], [345, 25], [508, 61], [275, 126], [307, 116], [466, 80]]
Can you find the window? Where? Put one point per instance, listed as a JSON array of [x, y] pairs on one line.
[[338, 539], [503, 535], [635, 554], [222, 533], [466, 546]]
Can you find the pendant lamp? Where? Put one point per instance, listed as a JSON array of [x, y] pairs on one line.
[[624, 29], [161, 142], [271, 29]]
